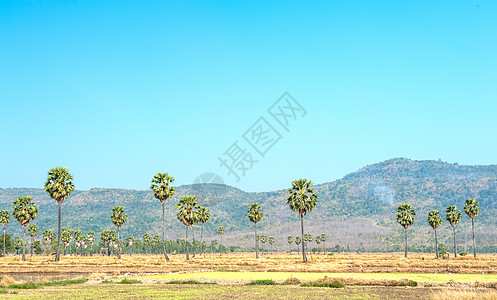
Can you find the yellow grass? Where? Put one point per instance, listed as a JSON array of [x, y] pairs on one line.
[[464, 294]]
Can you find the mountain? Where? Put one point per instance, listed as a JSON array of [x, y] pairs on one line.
[[357, 210]]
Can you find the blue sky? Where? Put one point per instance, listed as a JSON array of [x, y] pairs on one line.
[[119, 90]]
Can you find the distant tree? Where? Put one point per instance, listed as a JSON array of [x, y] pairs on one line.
[[203, 216], [25, 211], [91, 238], [453, 216], [302, 199], [48, 237], [324, 237], [66, 238], [37, 247], [318, 241], [7, 242], [118, 217], [271, 242], [213, 245], [187, 207], [4, 220], [263, 239], [298, 240], [79, 238], [405, 217], [472, 210], [17, 244], [308, 238], [128, 242], [162, 191], [289, 239], [33, 231], [147, 240], [155, 242], [435, 221], [59, 186], [220, 230], [255, 214]]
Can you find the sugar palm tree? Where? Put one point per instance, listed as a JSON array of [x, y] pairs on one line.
[[324, 237], [4, 220], [91, 238], [25, 211], [318, 241], [453, 216], [255, 214], [48, 237], [187, 214], [66, 238], [147, 239], [118, 217], [59, 186], [220, 230], [162, 191], [405, 217], [298, 240], [302, 199], [271, 242], [472, 210], [33, 231], [290, 242], [435, 221], [79, 238], [203, 216]]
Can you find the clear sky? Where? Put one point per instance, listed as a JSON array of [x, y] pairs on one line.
[[119, 90]]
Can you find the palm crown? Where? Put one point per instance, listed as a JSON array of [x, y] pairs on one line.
[[118, 216], [453, 215], [255, 213], [203, 215], [434, 220], [301, 196], [471, 208], [32, 230], [160, 187], [59, 185], [4, 217], [187, 207], [220, 230], [405, 215], [25, 210]]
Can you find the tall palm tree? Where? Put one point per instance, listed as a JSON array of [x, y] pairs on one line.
[[405, 217], [220, 230], [187, 214], [25, 211], [59, 186], [290, 242], [302, 199], [91, 238], [48, 237], [162, 191], [33, 231], [472, 210], [255, 214], [4, 220], [453, 216], [203, 216], [435, 221], [118, 217]]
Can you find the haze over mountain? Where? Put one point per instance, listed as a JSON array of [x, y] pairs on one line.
[[357, 210]]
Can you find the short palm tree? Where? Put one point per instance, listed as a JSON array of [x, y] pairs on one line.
[[405, 217], [435, 221], [453, 217], [91, 238], [271, 242], [59, 186], [318, 242], [472, 210], [255, 214], [147, 239], [203, 216], [220, 230], [118, 217], [66, 238], [298, 240], [302, 199], [32, 231], [162, 191], [289, 240], [48, 237], [4, 220], [324, 237], [187, 214], [25, 211]]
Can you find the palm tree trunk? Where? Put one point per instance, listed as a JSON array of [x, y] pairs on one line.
[[3, 240], [436, 244], [473, 226], [221, 246], [256, 243], [118, 246], [201, 239], [57, 256], [91, 249], [24, 244], [164, 232], [193, 233], [455, 249], [304, 257], [405, 233], [32, 240], [187, 256]]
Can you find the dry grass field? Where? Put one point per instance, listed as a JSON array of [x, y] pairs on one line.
[[277, 262]]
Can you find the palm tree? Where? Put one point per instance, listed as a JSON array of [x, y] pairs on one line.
[[91, 238], [220, 230], [78, 237], [4, 220], [472, 210], [309, 238], [118, 217], [435, 221], [25, 211], [298, 240], [290, 242], [203, 216], [162, 191], [405, 217], [255, 214], [324, 237], [302, 199], [147, 239], [271, 242], [187, 214], [318, 241], [263, 239], [33, 231], [66, 238], [48, 237], [453, 216], [59, 187]]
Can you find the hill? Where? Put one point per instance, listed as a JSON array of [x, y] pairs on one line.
[[356, 211]]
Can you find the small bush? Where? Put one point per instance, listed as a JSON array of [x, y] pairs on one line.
[[65, 282], [330, 254], [331, 284], [107, 281], [262, 282], [3, 291], [463, 253], [291, 281], [25, 286], [129, 281], [188, 282]]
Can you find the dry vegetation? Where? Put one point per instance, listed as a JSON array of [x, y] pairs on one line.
[[278, 262], [465, 294]]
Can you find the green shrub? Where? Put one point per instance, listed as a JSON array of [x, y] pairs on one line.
[[107, 281], [331, 284], [463, 253], [25, 286], [129, 281], [65, 282], [262, 282], [188, 282], [3, 291]]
